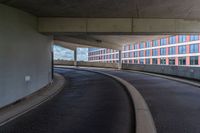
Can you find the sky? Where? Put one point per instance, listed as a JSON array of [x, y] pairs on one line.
[[66, 54]]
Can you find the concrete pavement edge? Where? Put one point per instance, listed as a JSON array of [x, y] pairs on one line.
[[28, 103]]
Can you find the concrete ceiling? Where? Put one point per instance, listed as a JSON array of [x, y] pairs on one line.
[[185, 9]]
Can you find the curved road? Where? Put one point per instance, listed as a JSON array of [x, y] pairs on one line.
[[175, 106], [92, 103]]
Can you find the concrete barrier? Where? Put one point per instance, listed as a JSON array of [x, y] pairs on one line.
[[180, 71], [63, 62], [97, 64], [86, 64]]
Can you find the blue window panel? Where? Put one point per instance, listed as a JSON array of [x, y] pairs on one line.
[[141, 53], [147, 52], [148, 44], [147, 61], [136, 54], [194, 37], [182, 38], [155, 52], [163, 51], [182, 49], [136, 46], [163, 41], [172, 40], [155, 43], [131, 46], [141, 45], [141, 61], [172, 50], [194, 48]]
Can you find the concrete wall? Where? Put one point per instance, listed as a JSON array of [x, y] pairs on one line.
[[181, 71], [23, 52], [64, 62], [86, 64], [97, 64]]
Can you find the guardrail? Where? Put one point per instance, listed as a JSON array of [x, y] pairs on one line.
[[180, 71]]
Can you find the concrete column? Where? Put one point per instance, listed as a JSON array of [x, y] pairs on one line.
[[120, 60], [75, 57]]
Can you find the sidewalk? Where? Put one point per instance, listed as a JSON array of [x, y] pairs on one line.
[[28, 103]]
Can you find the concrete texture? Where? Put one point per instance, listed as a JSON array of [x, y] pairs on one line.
[[181, 71], [86, 64], [92, 103], [26, 104], [25, 56], [185, 9], [174, 105], [131, 26]]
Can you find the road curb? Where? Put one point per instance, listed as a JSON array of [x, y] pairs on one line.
[[28, 103], [144, 119]]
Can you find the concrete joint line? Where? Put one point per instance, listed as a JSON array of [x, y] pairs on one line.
[[144, 120]]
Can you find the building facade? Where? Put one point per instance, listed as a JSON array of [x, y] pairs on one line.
[[173, 50]]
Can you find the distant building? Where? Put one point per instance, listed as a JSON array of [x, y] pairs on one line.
[[173, 50]]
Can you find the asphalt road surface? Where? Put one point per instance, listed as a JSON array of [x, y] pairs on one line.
[[92, 103], [175, 106]]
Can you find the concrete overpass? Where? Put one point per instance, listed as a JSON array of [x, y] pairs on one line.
[[29, 28]]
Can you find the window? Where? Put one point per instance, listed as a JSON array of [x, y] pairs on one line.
[[172, 39], [182, 38], [141, 61], [182, 49], [194, 60], [163, 51], [182, 60], [155, 52], [147, 52], [148, 44], [163, 61], [117, 55], [171, 61], [154, 61], [194, 37], [126, 55], [172, 50], [136, 54], [163, 41], [130, 61], [155, 43], [136, 46], [130, 54], [135, 61], [141, 53], [131, 46], [194, 48], [141, 45], [147, 61]]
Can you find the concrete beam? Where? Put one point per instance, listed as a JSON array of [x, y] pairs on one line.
[[69, 45], [131, 26], [90, 42]]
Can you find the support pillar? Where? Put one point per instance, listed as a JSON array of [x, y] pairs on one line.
[[120, 60], [75, 57]]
